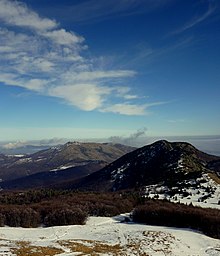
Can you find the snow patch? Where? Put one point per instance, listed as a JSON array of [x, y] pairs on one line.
[[119, 172], [61, 168], [24, 160], [203, 192]]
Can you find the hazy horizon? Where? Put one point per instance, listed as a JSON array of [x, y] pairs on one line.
[[209, 144]]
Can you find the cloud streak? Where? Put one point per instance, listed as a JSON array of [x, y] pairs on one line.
[[131, 109], [96, 10], [38, 55], [197, 19]]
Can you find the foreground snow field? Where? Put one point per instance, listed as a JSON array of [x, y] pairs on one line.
[[106, 236]]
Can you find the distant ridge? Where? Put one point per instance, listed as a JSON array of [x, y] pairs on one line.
[[71, 154]]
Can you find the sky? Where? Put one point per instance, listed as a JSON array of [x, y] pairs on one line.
[[99, 69]]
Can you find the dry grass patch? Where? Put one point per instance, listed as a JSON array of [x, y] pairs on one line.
[[89, 247], [25, 248], [97, 248], [214, 177], [159, 241]]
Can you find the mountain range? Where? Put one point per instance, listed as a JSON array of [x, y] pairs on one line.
[[111, 167], [162, 162], [60, 160]]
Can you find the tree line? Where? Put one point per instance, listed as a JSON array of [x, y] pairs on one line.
[[65, 207]]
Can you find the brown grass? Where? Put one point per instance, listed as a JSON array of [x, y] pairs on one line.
[[89, 247], [149, 243], [25, 249], [160, 238], [214, 177], [97, 248]]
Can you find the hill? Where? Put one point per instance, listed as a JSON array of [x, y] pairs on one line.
[[71, 154], [161, 162]]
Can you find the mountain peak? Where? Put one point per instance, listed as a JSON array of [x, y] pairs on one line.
[[71, 143], [160, 162]]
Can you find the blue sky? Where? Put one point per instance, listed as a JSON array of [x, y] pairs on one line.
[[96, 69]]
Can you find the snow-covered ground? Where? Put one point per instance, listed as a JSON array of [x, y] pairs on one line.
[[106, 236], [202, 192]]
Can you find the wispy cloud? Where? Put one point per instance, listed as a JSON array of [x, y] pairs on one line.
[[131, 109], [40, 56], [96, 10], [197, 19], [144, 54], [126, 109], [98, 74]]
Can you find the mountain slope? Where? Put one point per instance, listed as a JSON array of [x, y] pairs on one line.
[[68, 155], [50, 178], [161, 162]]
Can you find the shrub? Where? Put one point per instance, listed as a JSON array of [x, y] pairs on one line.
[[61, 217], [16, 216], [2, 220], [178, 215], [54, 207], [29, 218]]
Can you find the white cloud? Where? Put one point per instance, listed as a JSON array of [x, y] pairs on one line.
[[96, 75], [84, 96], [39, 56], [13, 145], [126, 109], [43, 64], [124, 92], [44, 142], [9, 79], [18, 14], [131, 109], [5, 49], [24, 54], [63, 37], [130, 97], [37, 85]]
